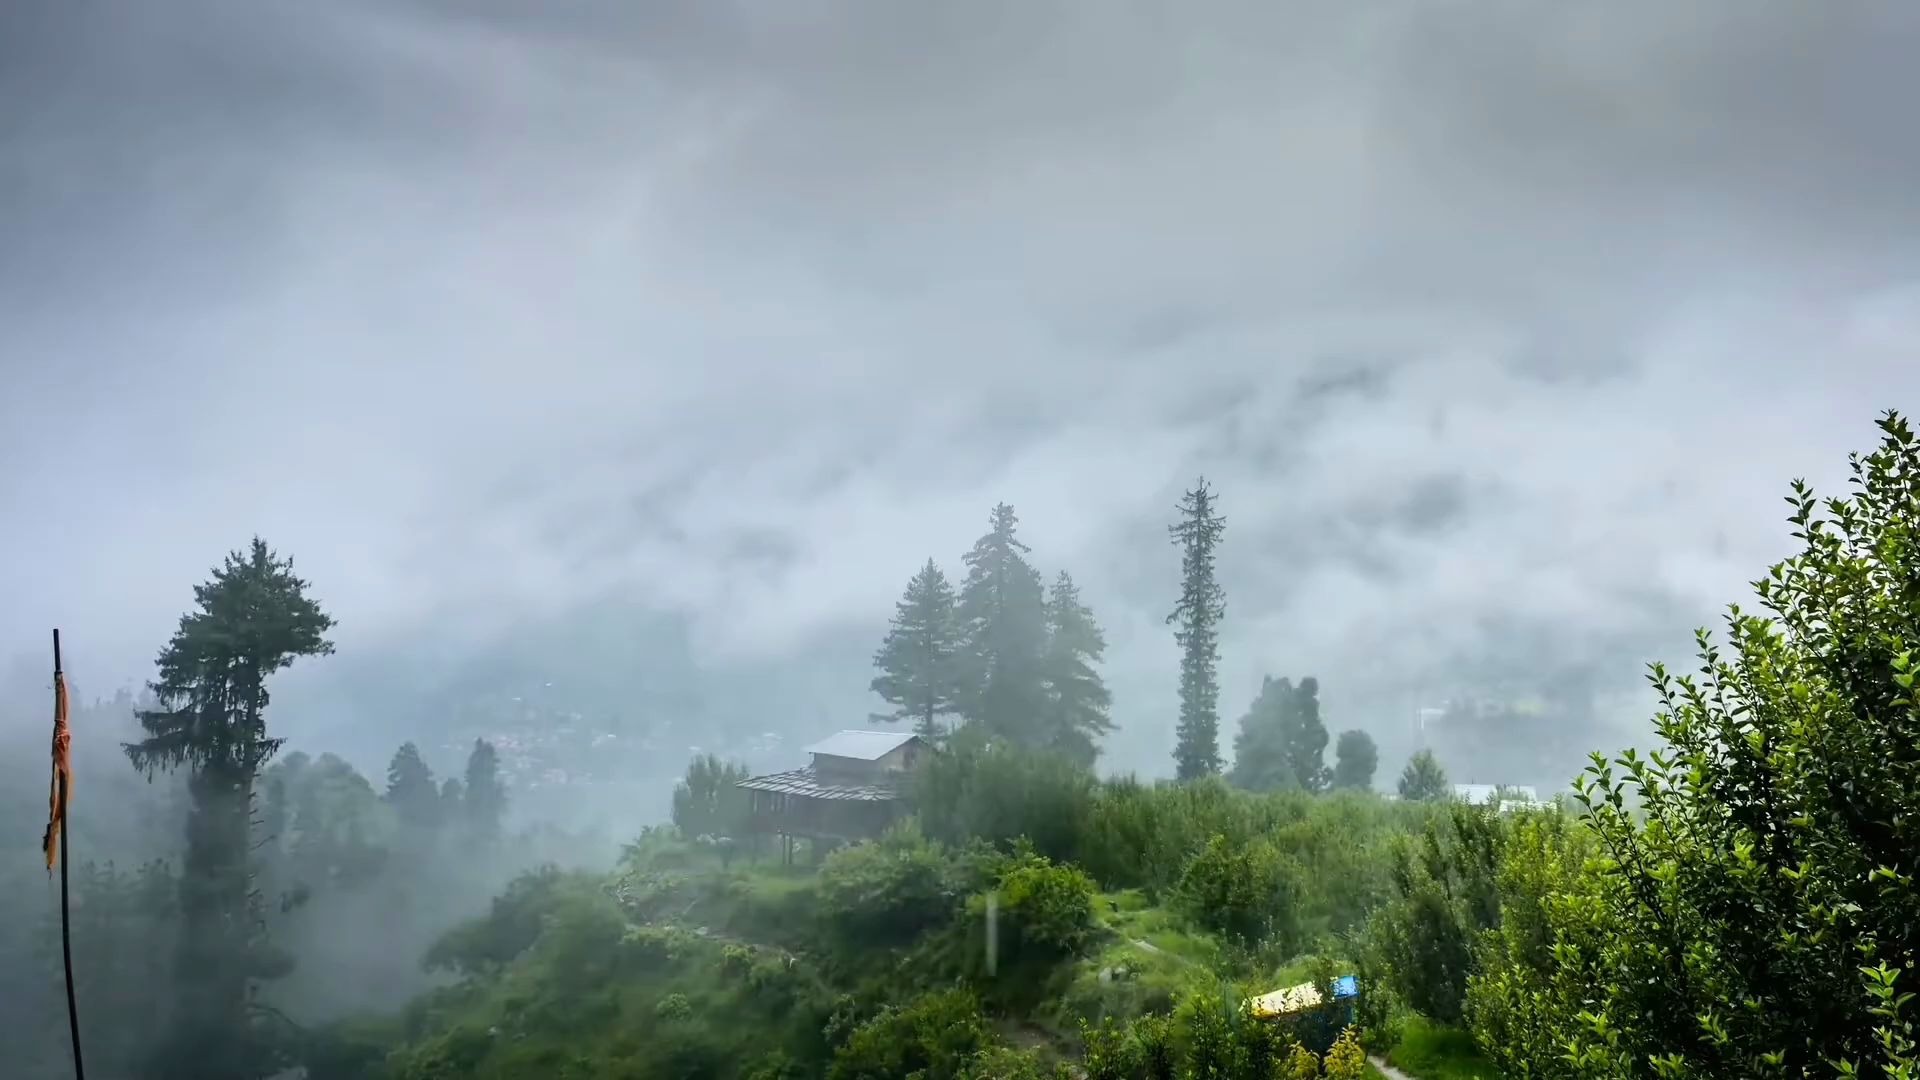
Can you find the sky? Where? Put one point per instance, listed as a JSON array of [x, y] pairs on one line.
[[1499, 326]]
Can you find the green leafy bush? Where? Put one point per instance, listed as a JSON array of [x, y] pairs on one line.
[[934, 1037], [1752, 910], [1140, 1050], [509, 928], [1445, 895], [1244, 890], [1046, 907], [887, 892], [974, 789]]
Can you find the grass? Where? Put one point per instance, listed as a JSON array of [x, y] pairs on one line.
[[1129, 915], [1428, 1051]]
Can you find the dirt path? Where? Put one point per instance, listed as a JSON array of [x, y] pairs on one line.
[[1386, 1070], [1158, 951]]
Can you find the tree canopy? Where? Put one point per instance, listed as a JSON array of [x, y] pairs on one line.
[[917, 658]]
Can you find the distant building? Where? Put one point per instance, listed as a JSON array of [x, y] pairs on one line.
[[1509, 796], [853, 789]]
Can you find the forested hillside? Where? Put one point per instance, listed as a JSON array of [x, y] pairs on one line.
[[1735, 901]]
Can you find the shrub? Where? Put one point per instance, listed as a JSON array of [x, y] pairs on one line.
[[509, 928], [1446, 894], [649, 947], [1301, 1064], [1753, 910], [975, 789], [1140, 1050], [735, 959], [1346, 1060], [1046, 907], [934, 1037], [1244, 891], [887, 892], [1007, 1063]]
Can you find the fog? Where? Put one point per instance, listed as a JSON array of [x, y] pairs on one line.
[[631, 357]]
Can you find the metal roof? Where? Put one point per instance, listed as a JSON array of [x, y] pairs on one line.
[[803, 782], [1293, 999], [863, 745], [1484, 793]]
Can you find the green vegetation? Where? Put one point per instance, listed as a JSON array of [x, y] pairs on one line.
[[1432, 1052], [1738, 903], [1196, 621], [252, 619]]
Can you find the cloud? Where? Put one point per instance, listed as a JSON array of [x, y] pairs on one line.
[[1500, 326]]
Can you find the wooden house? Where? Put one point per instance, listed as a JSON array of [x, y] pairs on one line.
[[853, 787]]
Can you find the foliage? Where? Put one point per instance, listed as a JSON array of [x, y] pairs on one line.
[[1548, 913], [1354, 760], [1346, 1060], [1196, 617], [934, 1037], [252, 619], [1006, 1063], [1210, 1035], [1141, 1050], [916, 660], [325, 827], [889, 891], [411, 790], [483, 798], [123, 926], [1434, 1052], [1423, 780], [510, 927], [1445, 895], [1002, 619], [1077, 698], [706, 801], [1753, 912], [1282, 741], [1245, 890], [975, 788], [1044, 911]]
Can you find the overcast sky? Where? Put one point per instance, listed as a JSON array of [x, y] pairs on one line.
[[1500, 326]]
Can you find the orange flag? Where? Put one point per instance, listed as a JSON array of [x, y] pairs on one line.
[[61, 787]]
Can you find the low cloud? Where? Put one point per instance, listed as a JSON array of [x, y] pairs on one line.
[[1499, 326]]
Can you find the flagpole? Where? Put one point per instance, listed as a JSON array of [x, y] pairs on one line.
[[66, 933]]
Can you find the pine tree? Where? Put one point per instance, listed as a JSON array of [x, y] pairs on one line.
[[484, 795], [1423, 780], [411, 792], [1354, 760], [1078, 696], [916, 660], [451, 800], [1196, 618], [1001, 613], [252, 619]]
